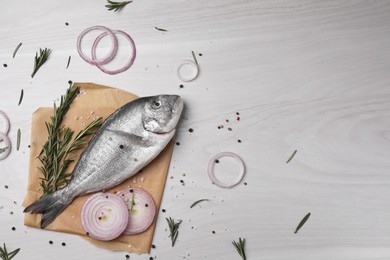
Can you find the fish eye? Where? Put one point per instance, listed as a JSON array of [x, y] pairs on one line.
[[156, 104]]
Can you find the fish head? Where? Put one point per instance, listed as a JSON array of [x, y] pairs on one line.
[[162, 113]]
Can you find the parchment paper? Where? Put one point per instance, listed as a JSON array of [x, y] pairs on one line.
[[94, 101]]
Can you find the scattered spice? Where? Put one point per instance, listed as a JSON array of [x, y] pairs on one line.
[[238, 118], [127, 256], [161, 29], [66, 23], [197, 202], [230, 129], [291, 156], [153, 246], [50, 242], [173, 229], [240, 247], [16, 50], [163, 210], [194, 57], [177, 143], [151, 258], [18, 136], [67, 65], [63, 244], [6, 186], [181, 86], [303, 221], [13, 228], [40, 59], [5, 255], [239, 140], [116, 6], [190, 130], [21, 97], [5, 65], [213, 231], [200, 54]]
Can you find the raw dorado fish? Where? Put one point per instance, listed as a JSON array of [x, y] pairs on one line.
[[127, 141]]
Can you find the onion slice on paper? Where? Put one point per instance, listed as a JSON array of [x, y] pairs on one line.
[[104, 216], [4, 138], [213, 178], [127, 65], [6, 122], [142, 209], [109, 56]]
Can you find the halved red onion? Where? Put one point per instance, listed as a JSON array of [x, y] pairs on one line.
[[142, 212], [6, 130], [105, 59], [127, 65], [104, 216], [4, 138], [215, 180]]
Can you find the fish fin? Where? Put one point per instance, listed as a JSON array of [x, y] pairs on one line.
[[50, 206]]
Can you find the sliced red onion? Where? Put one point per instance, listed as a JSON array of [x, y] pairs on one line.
[[127, 65], [105, 59], [104, 216], [142, 212], [213, 178], [182, 75], [6, 122], [4, 138]]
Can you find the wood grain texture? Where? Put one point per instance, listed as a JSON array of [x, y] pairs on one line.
[[311, 76]]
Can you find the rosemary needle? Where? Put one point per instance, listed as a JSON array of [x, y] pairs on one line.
[[5, 255], [291, 156], [16, 50], [21, 97], [67, 65], [116, 6], [193, 56], [197, 202], [303, 221], [240, 247], [40, 59], [18, 139], [161, 29]]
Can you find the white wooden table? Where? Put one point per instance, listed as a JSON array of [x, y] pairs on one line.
[[303, 75]]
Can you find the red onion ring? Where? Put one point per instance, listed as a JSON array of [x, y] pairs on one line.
[[105, 59], [143, 210], [128, 64], [213, 178], [7, 142], [6, 122], [104, 216]]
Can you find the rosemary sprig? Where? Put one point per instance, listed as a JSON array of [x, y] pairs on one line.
[[58, 151], [21, 97], [5, 255], [2, 150], [240, 247], [173, 229], [291, 156], [303, 221], [160, 29], [40, 59], [193, 56], [67, 65], [16, 50], [196, 202], [116, 6], [18, 136]]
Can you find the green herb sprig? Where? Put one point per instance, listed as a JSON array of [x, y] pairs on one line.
[[197, 202], [58, 151], [240, 247], [67, 65], [18, 137], [21, 97], [194, 57], [5, 255], [40, 59], [173, 229], [2, 150], [303, 221], [116, 6]]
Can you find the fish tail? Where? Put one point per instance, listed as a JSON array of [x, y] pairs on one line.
[[50, 206]]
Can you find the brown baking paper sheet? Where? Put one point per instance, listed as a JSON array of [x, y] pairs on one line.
[[92, 102]]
